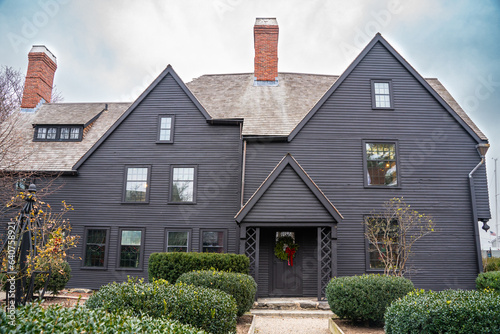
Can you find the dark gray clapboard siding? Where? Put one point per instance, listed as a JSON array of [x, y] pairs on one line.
[[288, 199], [435, 156], [96, 192]]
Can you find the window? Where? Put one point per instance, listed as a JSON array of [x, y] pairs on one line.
[[41, 133], [58, 133], [52, 133], [381, 164], [64, 133], [386, 240], [95, 248], [213, 241], [165, 129], [75, 133], [381, 94], [136, 184], [130, 248], [178, 241], [183, 184]]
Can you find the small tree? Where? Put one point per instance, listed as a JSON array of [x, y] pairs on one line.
[[38, 244], [392, 233]]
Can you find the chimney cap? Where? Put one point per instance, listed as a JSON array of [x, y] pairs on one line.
[[262, 21], [43, 49]]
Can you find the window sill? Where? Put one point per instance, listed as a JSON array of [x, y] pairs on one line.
[[129, 269], [381, 187], [164, 141], [94, 268], [382, 108], [135, 203], [181, 203]]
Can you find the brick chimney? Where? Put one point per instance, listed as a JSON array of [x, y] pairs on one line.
[[40, 76], [265, 32]]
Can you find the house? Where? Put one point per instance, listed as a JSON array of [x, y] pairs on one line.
[[227, 163]]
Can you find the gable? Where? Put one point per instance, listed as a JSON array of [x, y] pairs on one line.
[[387, 63], [152, 98], [288, 195]]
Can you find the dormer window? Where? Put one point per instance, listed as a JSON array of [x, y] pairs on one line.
[[58, 133]]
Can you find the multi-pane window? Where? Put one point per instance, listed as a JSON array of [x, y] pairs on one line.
[[136, 188], [165, 129], [41, 133], [213, 241], [75, 133], [64, 133], [381, 164], [183, 184], [52, 133], [381, 94], [387, 241], [177, 241], [130, 248], [58, 133], [95, 248]]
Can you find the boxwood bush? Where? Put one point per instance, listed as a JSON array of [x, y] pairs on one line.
[[489, 280], [169, 266], [365, 298], [56, 319], [241, 286], [211, 310], [449, 311]]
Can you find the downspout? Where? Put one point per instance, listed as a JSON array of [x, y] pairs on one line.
[[481, 149]]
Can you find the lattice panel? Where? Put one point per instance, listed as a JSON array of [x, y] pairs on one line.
[[251, 248], [326, 259]]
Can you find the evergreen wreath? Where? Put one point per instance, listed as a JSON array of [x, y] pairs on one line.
[[281, 244]]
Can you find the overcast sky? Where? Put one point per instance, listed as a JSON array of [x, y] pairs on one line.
[[111, 50]]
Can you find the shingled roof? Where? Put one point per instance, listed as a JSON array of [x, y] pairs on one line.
[[276, 111], [61, 156], [267, 111]]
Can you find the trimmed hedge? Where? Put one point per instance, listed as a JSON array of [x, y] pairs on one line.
[[211, 310], [489, 280], [241, 286], [56, 319], [366, 297], [170, 266], [448, 311]]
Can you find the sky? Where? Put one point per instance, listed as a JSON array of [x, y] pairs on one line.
[[111, 50]]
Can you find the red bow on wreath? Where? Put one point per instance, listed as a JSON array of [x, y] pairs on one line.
[[290, 252]]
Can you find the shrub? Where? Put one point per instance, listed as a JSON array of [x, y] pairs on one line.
[[56, 319], [57, 282], [449, 311], [365, 298], [491, 263], [169, 266], [211, 310], [489, 280], [241, 286]]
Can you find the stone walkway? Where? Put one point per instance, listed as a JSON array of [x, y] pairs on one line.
[[290, 325], [291, 316]]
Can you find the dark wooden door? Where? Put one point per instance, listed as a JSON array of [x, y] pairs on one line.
[[285, 280]]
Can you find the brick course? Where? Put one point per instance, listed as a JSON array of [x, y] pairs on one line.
[[39, 80]]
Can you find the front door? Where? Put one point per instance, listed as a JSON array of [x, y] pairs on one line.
[[285, 280]]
